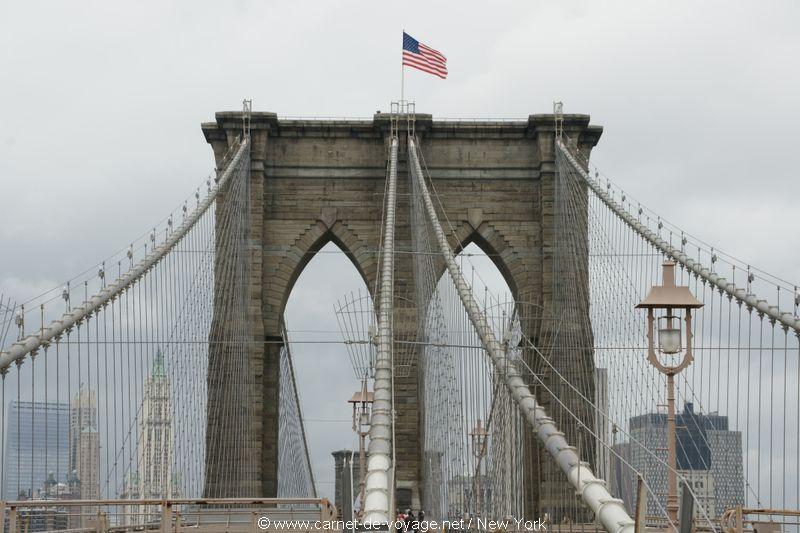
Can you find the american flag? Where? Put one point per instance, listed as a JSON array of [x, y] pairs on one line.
[[424, 58]]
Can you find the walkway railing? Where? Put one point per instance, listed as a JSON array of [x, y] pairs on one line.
[[170, 515]]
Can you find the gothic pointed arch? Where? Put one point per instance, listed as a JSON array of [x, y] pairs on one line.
[[310, 241], [491, 241]]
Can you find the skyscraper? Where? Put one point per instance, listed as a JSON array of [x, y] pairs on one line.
[[347, 473], [155, 434], [84, 444], [709, 457], [154, 478], [36, 444]]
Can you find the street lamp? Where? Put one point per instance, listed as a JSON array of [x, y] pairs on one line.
[[478, 437], [362, 418], [677, 302]]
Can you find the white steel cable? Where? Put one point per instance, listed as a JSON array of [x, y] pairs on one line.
[[379, 463]]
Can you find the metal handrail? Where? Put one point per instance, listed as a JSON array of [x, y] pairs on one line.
[[168, 501]]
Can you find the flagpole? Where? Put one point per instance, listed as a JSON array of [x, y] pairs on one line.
[[402, 82], [402, 75]]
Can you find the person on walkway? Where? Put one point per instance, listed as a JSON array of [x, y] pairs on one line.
[[415, 525], [409, 521]]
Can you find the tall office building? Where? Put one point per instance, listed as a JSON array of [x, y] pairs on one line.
[[37, 444], [709, 457], [88, 463], [347, 475], [155, 434], [84, 444], [154, 478]]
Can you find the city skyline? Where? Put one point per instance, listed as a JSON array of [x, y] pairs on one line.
[[709, 458], [69, 462]]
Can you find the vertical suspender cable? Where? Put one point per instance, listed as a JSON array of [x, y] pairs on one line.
[[609, 510], [77, 316], [741, 294], [376, 505]]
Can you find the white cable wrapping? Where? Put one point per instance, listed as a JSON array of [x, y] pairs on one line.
[[379, 463], [609, 511]]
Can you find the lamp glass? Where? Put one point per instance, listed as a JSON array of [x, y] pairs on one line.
[[669, 335]]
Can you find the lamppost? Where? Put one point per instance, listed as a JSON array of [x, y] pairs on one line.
[[362, 418], [674, 300], [478, 437]]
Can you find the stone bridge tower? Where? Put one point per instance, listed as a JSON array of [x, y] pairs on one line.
[[315, 181]]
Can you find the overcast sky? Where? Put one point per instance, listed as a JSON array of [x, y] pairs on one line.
[[101, 104]]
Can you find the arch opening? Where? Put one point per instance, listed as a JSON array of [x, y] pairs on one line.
[[324, 373], [487, 261], [331, 241], [472, 432]]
